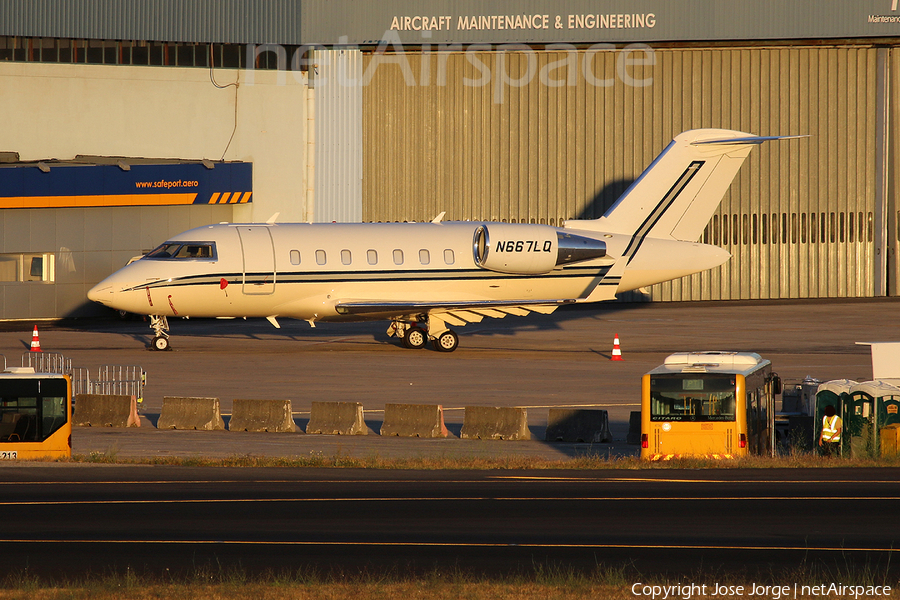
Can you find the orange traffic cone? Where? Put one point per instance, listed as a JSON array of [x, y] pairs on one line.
[[35, 341], [617, 352]]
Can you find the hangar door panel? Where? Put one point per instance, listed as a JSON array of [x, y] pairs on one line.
[[259, 260], [542, 136]]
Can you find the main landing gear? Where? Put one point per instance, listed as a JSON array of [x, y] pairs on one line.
[[160, 327], [415, 337]]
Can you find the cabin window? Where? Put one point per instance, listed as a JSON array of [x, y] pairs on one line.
[[448, 256], [295, 257], [398, 257], [320, 257], [345, 257], [372, 257], [424, 256]]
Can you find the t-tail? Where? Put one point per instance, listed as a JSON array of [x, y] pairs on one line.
[[654, 226]]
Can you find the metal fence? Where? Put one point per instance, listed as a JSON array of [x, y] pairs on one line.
[[47, 362], [125, 380]]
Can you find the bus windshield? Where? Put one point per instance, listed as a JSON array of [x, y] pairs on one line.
[[32, 409], [692, 397]]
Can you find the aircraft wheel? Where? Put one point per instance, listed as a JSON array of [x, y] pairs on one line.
[[159, 343], [447, 341], [415, 338]]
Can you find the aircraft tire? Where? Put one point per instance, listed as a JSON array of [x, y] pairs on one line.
[[159, 343], [415, 338], [447, 341]]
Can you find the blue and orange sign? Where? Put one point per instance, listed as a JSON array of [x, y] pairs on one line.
[[77, 186]]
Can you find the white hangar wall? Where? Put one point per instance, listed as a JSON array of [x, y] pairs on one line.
[[58, 111]]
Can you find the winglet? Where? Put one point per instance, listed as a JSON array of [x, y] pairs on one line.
[[439, 218], [272, 219]]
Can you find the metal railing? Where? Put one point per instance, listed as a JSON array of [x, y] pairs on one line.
[[47, 362], [124, 380]]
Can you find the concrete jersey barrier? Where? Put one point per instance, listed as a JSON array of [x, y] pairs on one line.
[[495, 423], [337, 418], [105, 410], [262, 415], [414, 420], [577, 425], [190, 413]]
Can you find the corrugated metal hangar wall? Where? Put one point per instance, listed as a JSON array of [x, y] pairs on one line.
[[802, 220]]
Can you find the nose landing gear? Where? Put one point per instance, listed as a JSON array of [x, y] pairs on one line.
[[160, 327]]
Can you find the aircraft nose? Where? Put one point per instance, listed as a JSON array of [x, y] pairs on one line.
[[100, 292]]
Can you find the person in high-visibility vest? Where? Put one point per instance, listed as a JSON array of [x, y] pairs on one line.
[[830, 438]]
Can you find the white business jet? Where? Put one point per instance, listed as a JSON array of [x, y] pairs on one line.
[[425, 277]]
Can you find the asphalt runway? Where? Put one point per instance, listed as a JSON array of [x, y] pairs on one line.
[[536, 361], [98, 518], [71, 521]]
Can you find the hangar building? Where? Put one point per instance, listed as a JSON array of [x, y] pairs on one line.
[[127, 122]]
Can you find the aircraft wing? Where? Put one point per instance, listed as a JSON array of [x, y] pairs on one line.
[[453, 312]]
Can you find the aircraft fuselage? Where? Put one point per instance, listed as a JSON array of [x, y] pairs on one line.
[[304, 271]]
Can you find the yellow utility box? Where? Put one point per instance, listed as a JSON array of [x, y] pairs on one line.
[[890, 440]]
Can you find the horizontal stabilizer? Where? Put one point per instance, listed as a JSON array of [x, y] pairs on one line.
[[757, 139]]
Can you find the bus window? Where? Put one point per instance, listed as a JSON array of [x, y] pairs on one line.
[[34, 416], [692, 398], [19, 419], [53, 415]]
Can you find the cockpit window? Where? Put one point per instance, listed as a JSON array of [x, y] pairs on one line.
[[184, 251]]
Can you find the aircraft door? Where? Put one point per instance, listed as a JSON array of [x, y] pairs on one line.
[[259, 259]]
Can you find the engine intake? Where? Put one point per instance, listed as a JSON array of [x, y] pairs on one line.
[[523, 249]]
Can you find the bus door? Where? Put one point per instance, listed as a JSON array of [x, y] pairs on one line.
[[760, 422]]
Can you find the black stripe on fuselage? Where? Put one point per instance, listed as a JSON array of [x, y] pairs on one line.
[[657, 213], [294, 277]]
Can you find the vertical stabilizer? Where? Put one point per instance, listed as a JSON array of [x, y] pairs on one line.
[[675, 197]]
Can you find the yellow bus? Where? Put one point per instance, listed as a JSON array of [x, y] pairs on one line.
[[714, 404], [35, 416]]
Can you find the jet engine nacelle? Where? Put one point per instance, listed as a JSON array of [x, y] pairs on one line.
[[523, 249]]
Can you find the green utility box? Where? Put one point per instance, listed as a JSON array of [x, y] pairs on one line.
[[869, 407], [832, 393]]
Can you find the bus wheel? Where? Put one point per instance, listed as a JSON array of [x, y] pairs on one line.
[[159, 343]]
